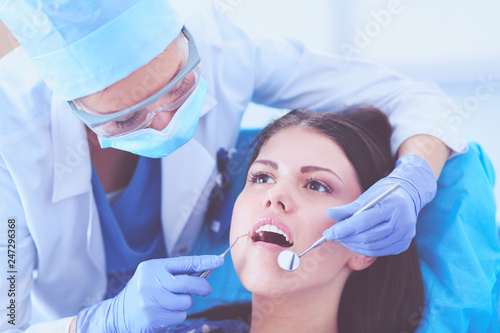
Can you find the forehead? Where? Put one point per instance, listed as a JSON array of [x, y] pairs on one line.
[[296, 147], [141, 83]]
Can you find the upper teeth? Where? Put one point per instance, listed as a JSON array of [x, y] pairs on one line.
[[272, 228]]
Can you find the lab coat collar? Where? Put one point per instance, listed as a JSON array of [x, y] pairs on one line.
[[185, 174], [71, 160], [72, 172], [208, 104]]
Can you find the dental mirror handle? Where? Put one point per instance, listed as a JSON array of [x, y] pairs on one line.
[[315, 244], [205, 274], [362, 209]]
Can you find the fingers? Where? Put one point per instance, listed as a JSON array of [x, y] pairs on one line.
[[174, 302], [186, 284], [379, 231], [159, 314], [160, 319], [394, 211], [163, 279], [380, 240], [340, 213], [356, 224], [173, 275], [160, 293], [380, 248], [192, 264]]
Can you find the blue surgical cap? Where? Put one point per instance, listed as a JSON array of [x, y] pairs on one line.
[[83, 46]]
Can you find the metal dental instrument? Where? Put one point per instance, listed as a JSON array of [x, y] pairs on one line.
[[289, 260], [206, 273]]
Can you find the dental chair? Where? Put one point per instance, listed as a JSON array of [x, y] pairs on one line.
[[459, 249], [456, 238]]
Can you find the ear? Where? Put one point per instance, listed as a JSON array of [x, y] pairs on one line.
[[359, 262]]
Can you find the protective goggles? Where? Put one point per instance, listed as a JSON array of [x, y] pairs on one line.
[[139, 116]]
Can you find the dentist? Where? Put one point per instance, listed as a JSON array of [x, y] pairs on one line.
[[93, 226]]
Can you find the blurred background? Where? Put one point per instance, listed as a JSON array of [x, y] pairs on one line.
[[450, 42]]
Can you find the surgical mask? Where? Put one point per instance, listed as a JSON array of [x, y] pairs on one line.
[[156, 144]]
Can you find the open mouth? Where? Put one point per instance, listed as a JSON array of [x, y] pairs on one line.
[[272, 234]]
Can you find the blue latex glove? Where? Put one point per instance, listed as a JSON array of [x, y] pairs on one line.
[[388, 227], [157, 296]]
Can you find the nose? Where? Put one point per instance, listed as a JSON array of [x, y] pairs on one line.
[[278, 197], [161, 120]]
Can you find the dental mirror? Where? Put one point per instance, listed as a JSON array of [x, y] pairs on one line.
[[289, 260]]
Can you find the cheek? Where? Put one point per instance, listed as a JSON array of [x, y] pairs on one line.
[[238, 221], [325, 261], [313, 222], [324, 269], [322, 264], [239, 225]]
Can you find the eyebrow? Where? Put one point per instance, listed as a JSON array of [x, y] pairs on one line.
[[269, 163], [313, 168], [304, 169]]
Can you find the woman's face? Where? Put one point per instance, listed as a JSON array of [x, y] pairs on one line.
[[297, 175]]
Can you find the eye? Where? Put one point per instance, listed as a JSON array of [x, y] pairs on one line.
[[181, 88], [130, 121], [318, 186], [260, 178], [138, 117]]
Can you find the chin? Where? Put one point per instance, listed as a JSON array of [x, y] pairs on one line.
[[260, 274], [267, 285]]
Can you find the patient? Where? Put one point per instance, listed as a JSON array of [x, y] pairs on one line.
[[304, 163]]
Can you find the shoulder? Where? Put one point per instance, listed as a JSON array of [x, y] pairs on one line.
[[211, 26], [24, 96], [227, 51]]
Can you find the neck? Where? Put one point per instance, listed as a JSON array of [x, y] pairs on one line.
[[115, 168], [312, 310]]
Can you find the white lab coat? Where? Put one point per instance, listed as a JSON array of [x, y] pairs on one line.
[[45, 168]]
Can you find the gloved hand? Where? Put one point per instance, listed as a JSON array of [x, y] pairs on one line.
[[157, 296], [388, 227]]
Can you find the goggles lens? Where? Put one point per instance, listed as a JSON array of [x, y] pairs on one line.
[[142, 117]]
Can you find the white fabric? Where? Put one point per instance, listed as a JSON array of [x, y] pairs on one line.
[[45, 166], [61, 325]]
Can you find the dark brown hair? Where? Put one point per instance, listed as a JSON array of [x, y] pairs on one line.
[[388, 295]]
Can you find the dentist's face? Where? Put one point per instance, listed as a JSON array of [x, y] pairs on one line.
[[297, 175], [141, 84]]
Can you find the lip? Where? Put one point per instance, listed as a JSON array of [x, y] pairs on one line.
[[271, 220]]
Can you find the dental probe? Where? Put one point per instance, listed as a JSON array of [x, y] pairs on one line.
[[206, 273], [289, 260]]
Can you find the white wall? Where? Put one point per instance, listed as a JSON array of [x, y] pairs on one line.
[[446, 32]]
